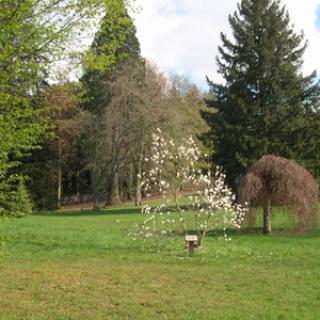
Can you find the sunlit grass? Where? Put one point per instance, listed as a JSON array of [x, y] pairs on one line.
[[84, 265]]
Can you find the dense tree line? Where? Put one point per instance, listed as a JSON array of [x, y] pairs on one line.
[[100, 128], [88, 140], [34, 34]]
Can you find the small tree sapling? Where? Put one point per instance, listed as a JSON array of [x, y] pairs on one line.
[[210, 204]]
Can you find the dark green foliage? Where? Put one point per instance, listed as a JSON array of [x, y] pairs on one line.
[[6, 185], [41, 169], [22, 204], [15, 200], [123, 33], [266, 105]]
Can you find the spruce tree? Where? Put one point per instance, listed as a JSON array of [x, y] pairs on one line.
[[266, 105], [22, 204]]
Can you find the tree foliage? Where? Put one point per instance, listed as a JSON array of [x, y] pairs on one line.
[[112, 97], [266, 105], [116, 35], [277, 181], [33, 35], [51, 167]]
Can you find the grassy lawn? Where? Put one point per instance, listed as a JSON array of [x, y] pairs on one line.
[[83, 265]]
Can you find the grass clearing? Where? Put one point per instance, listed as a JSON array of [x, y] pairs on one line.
[[83, 265]]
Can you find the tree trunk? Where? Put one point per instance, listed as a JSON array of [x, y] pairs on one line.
[[138, 170], [130, 182], [116, 192], [78, 186], [109, 194], [59, 187], [121, 187], [96, 199], [137, 199], [59, 175], [266, 216], [96, 204], [113, 194]]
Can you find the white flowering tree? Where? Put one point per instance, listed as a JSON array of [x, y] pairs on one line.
[[210, 204]]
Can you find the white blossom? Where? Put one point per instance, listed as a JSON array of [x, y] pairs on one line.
[[212, 203]]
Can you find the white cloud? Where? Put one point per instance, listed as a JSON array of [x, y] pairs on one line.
[[182, 36]]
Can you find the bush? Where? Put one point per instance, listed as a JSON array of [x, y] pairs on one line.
[[22, 204], [15, 200]]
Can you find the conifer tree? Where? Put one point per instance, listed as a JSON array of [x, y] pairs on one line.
[[266, 105], [103, 67], [22, 204], [109, 90]]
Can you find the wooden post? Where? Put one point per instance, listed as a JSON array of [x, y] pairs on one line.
[[191, 248], [191, 243]]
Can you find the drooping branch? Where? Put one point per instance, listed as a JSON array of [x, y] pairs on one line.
[[282, 182]]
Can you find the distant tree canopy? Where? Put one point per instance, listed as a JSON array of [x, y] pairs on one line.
[[56, 155], [97, 144], [266, 105], [276, 181], [75, 139], [112, 98], [124, 103]]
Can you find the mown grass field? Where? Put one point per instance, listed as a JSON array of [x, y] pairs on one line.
[[83, 265]]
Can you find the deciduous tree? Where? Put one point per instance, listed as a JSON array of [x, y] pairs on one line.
[[33, 34]]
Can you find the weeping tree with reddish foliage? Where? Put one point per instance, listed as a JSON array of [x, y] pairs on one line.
[[276, 181]]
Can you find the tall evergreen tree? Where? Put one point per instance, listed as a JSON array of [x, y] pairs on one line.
[[120, 33], [266, 105], [111, 97]]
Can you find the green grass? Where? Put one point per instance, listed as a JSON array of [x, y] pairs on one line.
[[83, 265]]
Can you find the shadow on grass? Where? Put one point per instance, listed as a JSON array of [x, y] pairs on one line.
[[101, 212], [91, 213], [255, 231], [276, 232]]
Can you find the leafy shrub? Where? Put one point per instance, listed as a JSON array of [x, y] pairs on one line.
[[15, 200]]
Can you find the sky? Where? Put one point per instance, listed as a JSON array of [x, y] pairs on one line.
[[182, 36]]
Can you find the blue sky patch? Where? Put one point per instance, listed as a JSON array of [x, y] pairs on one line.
[[170, 12], [318, 19], [175, 9]]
